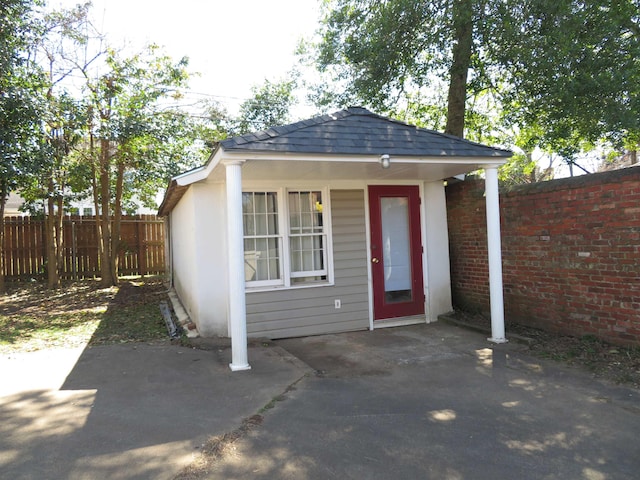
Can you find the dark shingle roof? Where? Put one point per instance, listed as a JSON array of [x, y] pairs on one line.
[[357, 131]]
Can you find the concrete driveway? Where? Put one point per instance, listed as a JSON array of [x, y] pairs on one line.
[[439, 402], [430, 401], [130, 411]]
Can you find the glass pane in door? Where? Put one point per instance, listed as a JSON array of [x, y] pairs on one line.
[[396, 252]]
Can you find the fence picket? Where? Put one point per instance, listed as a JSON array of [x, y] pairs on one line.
[[25, 247]]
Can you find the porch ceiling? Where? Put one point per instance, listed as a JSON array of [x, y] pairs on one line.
[[355, 170]]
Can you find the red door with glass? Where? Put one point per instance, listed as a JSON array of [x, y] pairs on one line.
[[396, 251]]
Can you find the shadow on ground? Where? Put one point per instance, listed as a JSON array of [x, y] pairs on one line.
[[435, 401], [126, 411]]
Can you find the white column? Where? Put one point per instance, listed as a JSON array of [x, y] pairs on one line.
[[235, 244], [494, 248]]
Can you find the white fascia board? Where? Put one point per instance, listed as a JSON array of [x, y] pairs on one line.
[[200, 173], [350, 158]]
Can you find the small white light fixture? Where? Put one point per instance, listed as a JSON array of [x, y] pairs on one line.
[[385, 161]]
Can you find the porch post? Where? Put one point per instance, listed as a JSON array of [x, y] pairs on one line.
[[235, 252], [494, 249]]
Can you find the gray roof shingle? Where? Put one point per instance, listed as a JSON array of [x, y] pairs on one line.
[[358, 131]]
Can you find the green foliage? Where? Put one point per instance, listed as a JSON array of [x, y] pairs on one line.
[[213, 126], [520, 169], [269, 106], [559, 75], [572, 70], [59, 171], [19, 103], [378, 51], [132, 111]]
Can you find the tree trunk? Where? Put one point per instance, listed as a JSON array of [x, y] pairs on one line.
[[117, 220], [53, 279], [108, 279], [59, 232], [96, 196], [457, 97]]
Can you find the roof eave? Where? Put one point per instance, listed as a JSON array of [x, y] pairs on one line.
[[180, 183]]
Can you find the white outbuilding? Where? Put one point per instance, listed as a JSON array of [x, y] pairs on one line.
[[331, 224]]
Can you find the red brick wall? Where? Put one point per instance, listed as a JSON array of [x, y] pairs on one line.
[[571, 253]]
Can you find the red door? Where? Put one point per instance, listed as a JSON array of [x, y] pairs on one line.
[[396, 251]]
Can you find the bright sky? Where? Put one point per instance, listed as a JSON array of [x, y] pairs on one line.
[[234, 44]]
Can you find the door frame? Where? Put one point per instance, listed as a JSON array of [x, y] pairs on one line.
[[417, 261]]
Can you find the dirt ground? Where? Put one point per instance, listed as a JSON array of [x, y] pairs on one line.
[[33, 317], [616, 364]]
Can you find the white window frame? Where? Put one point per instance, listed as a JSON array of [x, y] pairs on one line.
[[278, 237], [282, 195]]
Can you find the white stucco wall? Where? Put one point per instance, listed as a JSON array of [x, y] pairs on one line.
[[438, 273], [198, 240], [211, 246], [182, 238]]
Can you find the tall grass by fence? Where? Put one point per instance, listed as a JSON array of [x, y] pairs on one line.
[[141, 248]]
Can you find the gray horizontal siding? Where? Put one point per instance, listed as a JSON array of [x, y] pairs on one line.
[[311, 311]]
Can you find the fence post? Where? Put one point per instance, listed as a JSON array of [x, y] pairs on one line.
[[142, 260], [26, 243], [74, 251]]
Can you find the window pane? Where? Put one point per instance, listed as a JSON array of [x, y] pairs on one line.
[[261, 224], [294, 223], [262, 269], [274, 268], [250, 259], [247, 202], [272, 223], [294, 212], [260, 202], [261, 245], [272, 202], [295, 252], [307, 253], [305, 212], [307, 222], [248, 225], [307, 260], [260, 220]]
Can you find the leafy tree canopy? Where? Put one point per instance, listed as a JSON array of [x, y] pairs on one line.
[[269, 106], [19, 103], [552, 74]]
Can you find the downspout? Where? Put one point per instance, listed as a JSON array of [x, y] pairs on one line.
[[168, 249]]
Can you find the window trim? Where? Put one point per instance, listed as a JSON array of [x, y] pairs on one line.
[[284, 235], [279, 238]]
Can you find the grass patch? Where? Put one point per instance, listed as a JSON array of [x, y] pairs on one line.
[[35, 332], [34, 318], [130, 323]]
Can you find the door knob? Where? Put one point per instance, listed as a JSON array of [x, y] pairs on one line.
[[374, 260]]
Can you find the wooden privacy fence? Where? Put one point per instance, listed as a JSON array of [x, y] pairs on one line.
[[141, 248]]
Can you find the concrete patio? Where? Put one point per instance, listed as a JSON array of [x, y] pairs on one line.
[[428, 401]]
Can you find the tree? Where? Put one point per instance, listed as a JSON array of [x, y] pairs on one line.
[[571, 68], [132, 136], [269, 106], [50, 185], [566, 69], [381, 51], [60, 47], [213, 125], [19, 106]]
